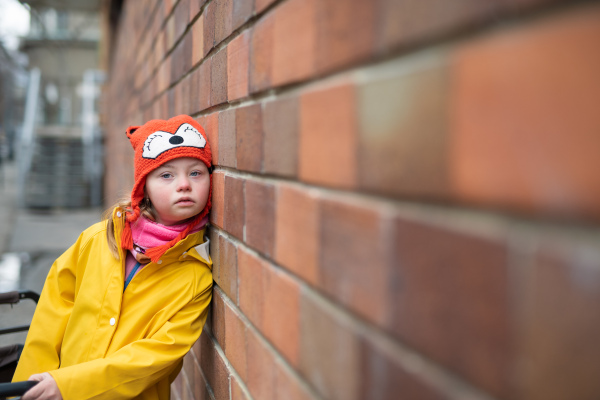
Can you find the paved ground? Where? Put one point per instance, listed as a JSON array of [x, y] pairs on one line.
[[32, 240]]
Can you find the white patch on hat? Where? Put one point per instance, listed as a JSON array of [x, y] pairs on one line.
[[160, 141]]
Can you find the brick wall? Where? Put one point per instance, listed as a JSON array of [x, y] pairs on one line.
[[406, 197]]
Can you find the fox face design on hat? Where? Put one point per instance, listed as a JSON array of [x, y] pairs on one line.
[[155, 143]]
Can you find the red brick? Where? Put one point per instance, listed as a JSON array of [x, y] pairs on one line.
[[289, 387], [182, 16], [218, 199], [238, 57], [261, 371], [281, 125], [233, 219], [297, 228], [223, 19], [186, 88], [294, 44], [261, 54], [227, 139], [242, 11], [353, 238], [250, 275], [228, 268], [436, 277], [346, 32], [214, 368], [217, 318], [281, 316], [198, 40], [194, 92], [209, 27], [561, 321], [328, 137], [195, 8], [204, 84], [236, 390], [329, 351], [200, 390], [385, 377], [404, 152], [235, 337], [518, 93], [260, 216], [218, 76], [401, 23], [249, 138], [170, 33], [261, 5], [211, 127]]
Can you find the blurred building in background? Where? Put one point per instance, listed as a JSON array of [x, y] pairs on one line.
[[60, 146], [13, 84]]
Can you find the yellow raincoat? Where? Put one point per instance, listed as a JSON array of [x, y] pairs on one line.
[[99, 342]]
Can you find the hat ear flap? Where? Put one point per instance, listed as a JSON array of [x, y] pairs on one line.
[[130, 131]]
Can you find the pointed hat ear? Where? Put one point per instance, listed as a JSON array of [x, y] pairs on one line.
[[130, 131]]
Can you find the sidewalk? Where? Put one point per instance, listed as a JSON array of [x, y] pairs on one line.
[[37, 239]]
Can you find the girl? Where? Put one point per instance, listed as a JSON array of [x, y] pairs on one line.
[[125, 303]]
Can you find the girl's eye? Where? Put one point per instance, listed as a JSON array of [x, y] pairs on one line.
[[166, 175], [195, 173]]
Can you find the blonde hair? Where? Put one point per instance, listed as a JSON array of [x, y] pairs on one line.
[[124, 205]]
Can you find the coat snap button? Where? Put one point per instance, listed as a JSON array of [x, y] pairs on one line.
[[112, 322], [159, 262], [118, 213]]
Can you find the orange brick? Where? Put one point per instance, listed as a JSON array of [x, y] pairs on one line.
[[238, 54], [561, 322], [346, 32], [250, 273], [195, 8], [297, 227], [260, 216], [228, 276], [200, 389], [249, 138], [234, 213], [437, 274], [261, 53], [328, 137], [227, 138], [261, 374], [235, 337], [294, 42], [198, 40], [288, 386], [280, 316], [281, 125], [525, 127]]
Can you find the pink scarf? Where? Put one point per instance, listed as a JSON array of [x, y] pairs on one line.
[[147, 234]]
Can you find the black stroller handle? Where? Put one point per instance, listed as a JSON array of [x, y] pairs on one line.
[[15, 388]]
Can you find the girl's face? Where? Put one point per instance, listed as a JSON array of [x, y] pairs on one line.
[[178, 189]]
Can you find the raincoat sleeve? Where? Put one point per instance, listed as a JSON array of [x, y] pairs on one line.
[[42, 346], [137, 366]]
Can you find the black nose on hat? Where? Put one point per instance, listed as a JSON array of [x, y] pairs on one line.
[[176, 140]]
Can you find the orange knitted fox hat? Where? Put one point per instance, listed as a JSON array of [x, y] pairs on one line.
[[155, 143]]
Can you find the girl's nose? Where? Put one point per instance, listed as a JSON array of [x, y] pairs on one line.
[[183, 184]]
